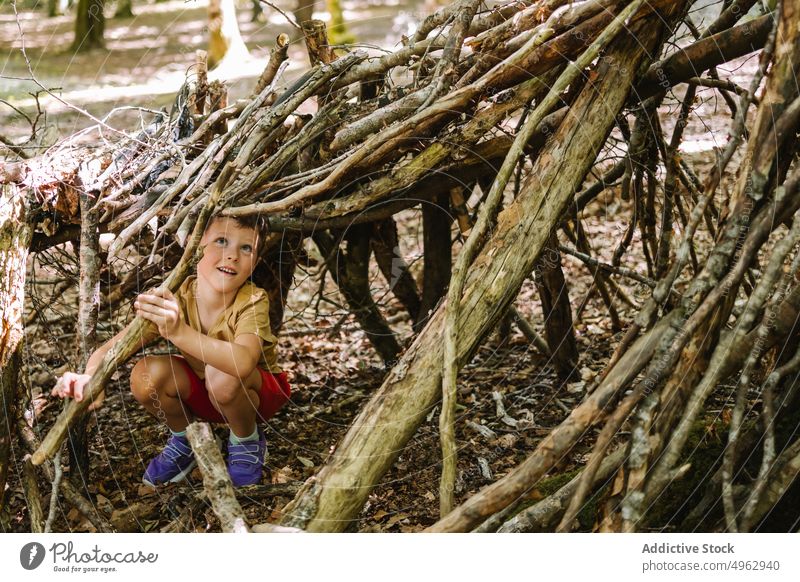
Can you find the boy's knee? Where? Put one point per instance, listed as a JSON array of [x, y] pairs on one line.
[[148, 378], [222, 388]]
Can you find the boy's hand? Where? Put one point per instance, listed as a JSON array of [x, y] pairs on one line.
[[72, 385], [160, 307]]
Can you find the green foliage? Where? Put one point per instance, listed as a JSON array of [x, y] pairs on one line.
[[337, 31]]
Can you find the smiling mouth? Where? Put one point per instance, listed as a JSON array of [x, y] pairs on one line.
[[226, 271]]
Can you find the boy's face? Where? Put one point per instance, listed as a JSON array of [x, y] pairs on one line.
[[229, 256]]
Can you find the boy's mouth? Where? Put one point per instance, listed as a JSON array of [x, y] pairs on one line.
[[226, 271]]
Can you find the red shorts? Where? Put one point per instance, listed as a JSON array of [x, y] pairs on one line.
[[275, 392]]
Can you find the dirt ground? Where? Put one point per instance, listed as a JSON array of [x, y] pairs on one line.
[[332, 367]]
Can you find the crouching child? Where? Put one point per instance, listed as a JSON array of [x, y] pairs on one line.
[[227, 370]]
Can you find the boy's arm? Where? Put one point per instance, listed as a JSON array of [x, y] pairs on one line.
[[238, 358], [71, 384]]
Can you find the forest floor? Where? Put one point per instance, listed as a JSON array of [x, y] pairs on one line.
[[332, 367]]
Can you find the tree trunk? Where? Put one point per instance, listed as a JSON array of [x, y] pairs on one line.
[[557, 312], [224, 39], [258, 12], [437, 245], [379, 433], [386, 247], [55, 7], [90, 24], [124, 9], [15, 238], [350, 270], [303, 12]]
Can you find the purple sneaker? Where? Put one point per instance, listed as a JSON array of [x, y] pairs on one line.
[[245, 461], [173, 464]]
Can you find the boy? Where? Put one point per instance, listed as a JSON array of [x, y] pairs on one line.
[[227, 371]]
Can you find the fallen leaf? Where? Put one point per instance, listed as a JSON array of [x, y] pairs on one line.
[[576, 387], [380, 514], [284, 475], [507, 441], [396, 518], [105, 505], [145, 490], [306, 461]]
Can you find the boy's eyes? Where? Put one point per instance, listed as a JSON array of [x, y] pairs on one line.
[[222, 241]]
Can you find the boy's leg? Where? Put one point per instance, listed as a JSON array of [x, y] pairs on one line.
[[159, 383], [237, 401]]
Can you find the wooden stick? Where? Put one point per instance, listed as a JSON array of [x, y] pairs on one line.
[[622, 271], [589, 473], [217, 101], [70, 492], [277, 56], [350, 272], [33, 497], [541, 516], [768, 456], [557, 311], [459, 207], [316, 36], [88, 312], [58, 476], [757, 299], [201, 63], [216, 481], [527, 330], [472, 246], [16, 231], [182, 522]]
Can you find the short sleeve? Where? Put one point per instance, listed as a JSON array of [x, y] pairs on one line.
[[182, 297], [253, 317]]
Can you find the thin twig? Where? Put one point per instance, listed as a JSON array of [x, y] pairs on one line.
[[284, 14], [58, 474]]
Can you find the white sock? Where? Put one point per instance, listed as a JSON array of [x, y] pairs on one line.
[[235, 440]]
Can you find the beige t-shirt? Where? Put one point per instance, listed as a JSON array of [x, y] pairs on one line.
[[249, 313]]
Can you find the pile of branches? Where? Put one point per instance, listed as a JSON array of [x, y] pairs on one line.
[[506, 110]]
